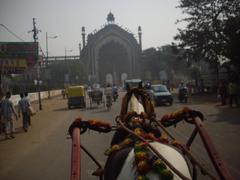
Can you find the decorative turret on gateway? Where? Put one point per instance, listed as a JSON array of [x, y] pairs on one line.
[[110, 18], [83, 37], [140, 36]]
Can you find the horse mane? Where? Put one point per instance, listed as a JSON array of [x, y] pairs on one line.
[[146, 102]]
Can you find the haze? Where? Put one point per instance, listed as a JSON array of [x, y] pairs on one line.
[[65, 18]]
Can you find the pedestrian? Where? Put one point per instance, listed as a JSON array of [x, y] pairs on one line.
[[202, 87], [23, 106], [7, 112], [29, 113], [168, 85], [63, 93], [108, 95], [233, 93], [1, 121], [222, 91]]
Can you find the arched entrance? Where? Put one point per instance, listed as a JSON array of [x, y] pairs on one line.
[[109, 79], [113, 59]]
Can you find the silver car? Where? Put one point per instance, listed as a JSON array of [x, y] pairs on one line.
[[161, 95]]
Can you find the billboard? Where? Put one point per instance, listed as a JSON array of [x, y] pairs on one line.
[[16, 57]]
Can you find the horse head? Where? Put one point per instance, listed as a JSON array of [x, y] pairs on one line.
[[137, 100], [129, 157]]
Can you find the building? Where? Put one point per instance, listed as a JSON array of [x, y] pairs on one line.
[[111, 54]]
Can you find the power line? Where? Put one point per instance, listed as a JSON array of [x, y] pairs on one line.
[[16, 36]]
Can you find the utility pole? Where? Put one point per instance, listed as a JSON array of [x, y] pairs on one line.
[[35, 33], [47, 63]]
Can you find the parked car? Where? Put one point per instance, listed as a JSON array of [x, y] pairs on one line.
[[161, 95]]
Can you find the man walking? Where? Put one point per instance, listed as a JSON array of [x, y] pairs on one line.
[[233, 93], [7, 112], [29, 114], [23, 105]]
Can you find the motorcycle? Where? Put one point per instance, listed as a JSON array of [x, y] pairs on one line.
[[183, 95]]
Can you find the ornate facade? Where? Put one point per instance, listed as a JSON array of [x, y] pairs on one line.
[[111, 54]]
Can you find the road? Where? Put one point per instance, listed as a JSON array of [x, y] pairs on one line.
[[43, 153]]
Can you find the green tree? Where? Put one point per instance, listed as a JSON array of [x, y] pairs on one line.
[[212, 32], [164, 58]]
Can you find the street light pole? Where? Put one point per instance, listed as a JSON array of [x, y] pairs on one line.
[[48, 80], [66, 59], [35, 32], [47, 65]]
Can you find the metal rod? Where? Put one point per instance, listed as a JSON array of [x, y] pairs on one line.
[[76, 156], [164, 129], [187, 152], [90, 155], [212, 152], [192, 137], [155, 151]]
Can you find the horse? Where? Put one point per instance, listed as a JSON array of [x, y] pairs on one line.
[[138, 148], [122, 163]]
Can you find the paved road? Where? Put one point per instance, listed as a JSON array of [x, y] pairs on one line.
[[43, 153]]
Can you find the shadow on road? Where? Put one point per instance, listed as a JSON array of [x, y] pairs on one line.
[[61, 109], [101, 111], [229, 115], [19, 130]]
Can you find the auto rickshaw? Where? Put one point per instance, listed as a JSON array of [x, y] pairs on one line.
[[76, 96]]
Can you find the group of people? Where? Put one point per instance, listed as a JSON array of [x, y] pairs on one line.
[[228, 90], [8, 112]]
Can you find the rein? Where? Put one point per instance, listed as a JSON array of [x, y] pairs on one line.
[[170, 119], [193, 160], [153, 149]]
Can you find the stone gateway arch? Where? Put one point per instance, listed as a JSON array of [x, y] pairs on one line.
[[111, 54]]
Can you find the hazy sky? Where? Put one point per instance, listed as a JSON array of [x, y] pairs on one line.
[[65, 18]]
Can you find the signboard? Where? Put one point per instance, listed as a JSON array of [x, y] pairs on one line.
[[16, 57]]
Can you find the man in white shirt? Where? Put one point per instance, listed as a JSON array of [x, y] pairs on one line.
[[108, 94], [23, 105]]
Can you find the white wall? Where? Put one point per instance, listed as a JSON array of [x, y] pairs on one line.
[[34, 96]]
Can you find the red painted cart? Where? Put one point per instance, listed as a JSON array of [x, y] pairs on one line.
[[194, 117]]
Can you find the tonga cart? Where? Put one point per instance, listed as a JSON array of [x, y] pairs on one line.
[[96, 97], [143, 134]]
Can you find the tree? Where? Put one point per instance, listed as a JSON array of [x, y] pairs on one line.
[[164, 58], [212, 32]]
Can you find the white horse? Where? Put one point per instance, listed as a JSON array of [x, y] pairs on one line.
[[120, 167]]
